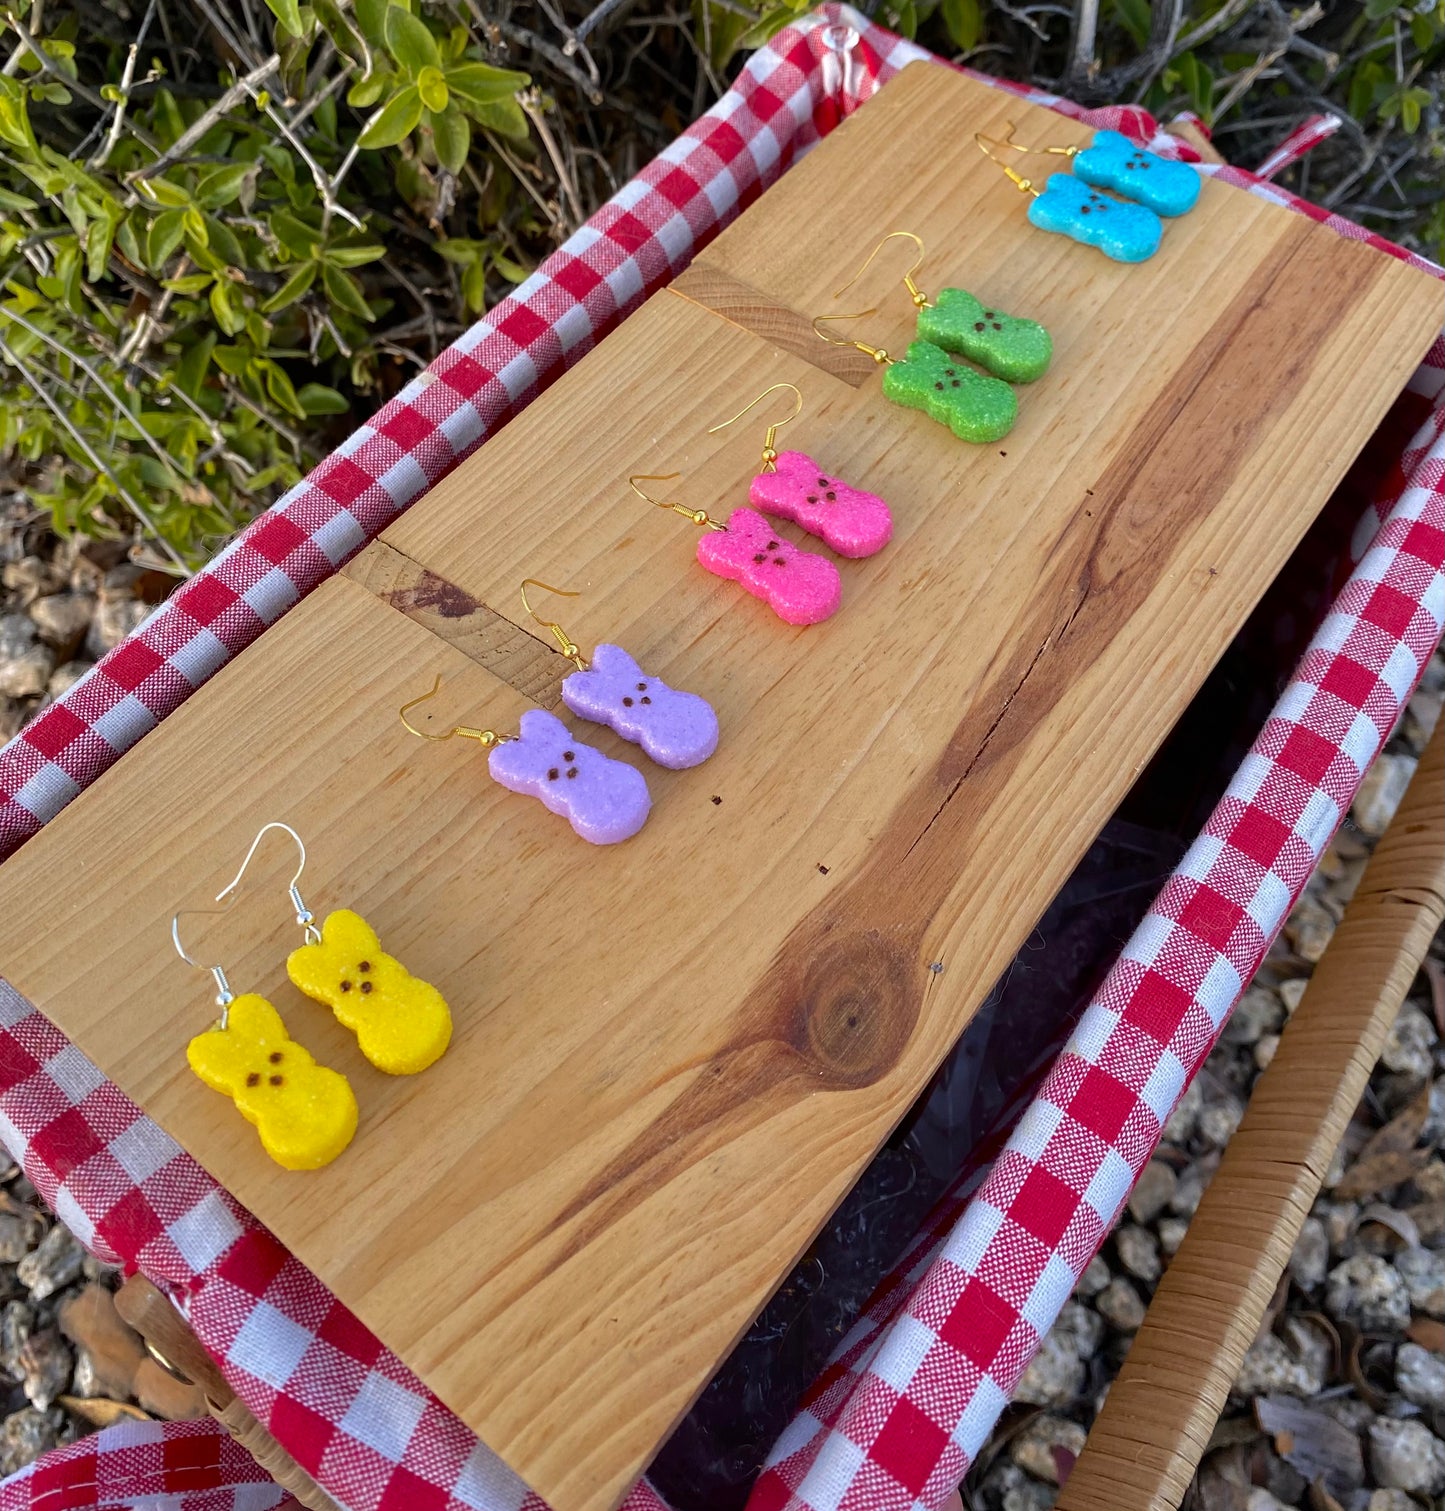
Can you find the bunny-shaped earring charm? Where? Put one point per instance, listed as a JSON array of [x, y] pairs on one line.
[[305, 1113], [791, 485], [1008, 346], [1112, 161], [605, 801], [675, 729], [799, 587]]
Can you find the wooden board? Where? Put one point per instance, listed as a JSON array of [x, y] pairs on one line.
[[673, 1057]]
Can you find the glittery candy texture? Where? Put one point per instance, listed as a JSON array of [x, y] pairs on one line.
[[798, 586], [1112, 161], [674, 728], [304, 1112], [604, 800], [402, 1024], [1010, 348], [846, 520], [974, 408], [1125, 232]]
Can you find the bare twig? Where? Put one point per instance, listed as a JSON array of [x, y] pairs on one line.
[[238, 91], [549, 142]]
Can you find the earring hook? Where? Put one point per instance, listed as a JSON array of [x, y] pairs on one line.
[[879, 355], [224, 995], [1014, 146], [770, 448], [985, 143], [697, 516], [304, 915], [486, 737], [564, 641], [919, 298]]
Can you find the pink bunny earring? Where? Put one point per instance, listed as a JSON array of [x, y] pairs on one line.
[[605, 801], [791, 485], [676, 729], [799, 586]]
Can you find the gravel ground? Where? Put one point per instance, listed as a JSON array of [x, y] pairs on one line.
[[1341, 1402]]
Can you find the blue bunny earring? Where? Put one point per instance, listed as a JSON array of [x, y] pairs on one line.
[[1112, 161], [1066, 204]]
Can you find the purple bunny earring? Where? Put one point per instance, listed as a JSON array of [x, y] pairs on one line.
[[676, 729], [604, 800]]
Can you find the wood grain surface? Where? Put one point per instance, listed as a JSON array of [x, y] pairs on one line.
[[673, 1056], [1156, 1423]]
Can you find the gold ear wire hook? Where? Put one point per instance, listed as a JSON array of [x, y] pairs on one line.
[[916, 294], [564, 641], [983, 143], [304, 915], [1008, 141], [770, 449], [879, 355], [697, 516], [485, 737]]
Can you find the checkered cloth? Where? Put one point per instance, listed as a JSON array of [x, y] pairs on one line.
[[916, 1387]]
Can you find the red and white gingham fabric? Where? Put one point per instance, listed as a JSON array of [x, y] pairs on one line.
[[918, 1384]]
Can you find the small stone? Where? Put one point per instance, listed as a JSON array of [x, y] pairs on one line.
[[65, 676], [1010, 1489], [1120, 1305], [25, 668], [1033, 1449], [1291, 993], [1152, 1191], [16, 1236], [1311, 1257], [1055, 1375], [1261, 1500], [1422, 714], [27, 578], [1190, 1190], [1180, 1127], [1423, 1271], [1409, 1050], [1339, 1219], [1310, 929], [46, 1363], [115, 618], [1391, 1500], [1138, 1251], [1348, 1411], [17, 635], [1095, 1277], [1219, 1120], [1380, 793], [63, 619], [1407, 1456], [1258, 1011], [1370, 1293], [1265, 1051], [12, 719], [16, 1322], [25, 1435], [1420, 1376], [1298, 1367], [1433, 1133], [1171, 1234], [51, 1266]]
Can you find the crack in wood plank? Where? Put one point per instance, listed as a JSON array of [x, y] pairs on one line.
[[510, 654]]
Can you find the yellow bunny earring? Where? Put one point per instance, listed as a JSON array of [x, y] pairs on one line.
[[402, 1023], [305, 1113]]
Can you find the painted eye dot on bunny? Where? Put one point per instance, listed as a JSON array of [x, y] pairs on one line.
[[254, 1079], [275, 1057], [346, 986]]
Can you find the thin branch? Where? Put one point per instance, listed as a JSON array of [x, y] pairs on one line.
[[95, 461], [238, 91], [549, 142]]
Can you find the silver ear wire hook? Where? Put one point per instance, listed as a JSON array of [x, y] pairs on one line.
[[304, 916], [224, 995]]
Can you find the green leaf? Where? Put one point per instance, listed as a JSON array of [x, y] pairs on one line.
[[474, 286], [288, 13], [317, 398], [221, 185], [294, 287], [367, 91], [371, 18], [463, 250], [191, 369], [432, 86], [505, 117], [281, 391], [163, 237], [1135, 16], [964, 20], [98, 239], [228, 317], [223, 242], [301, 240], [344, 292], [513, 272], [12, 201], [1422, 31], [1198, 84], [410, 41], [395, 121], [192, 283], [477, 84], [352, 254], [161, 191], [1362, 89], [451, 136]]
